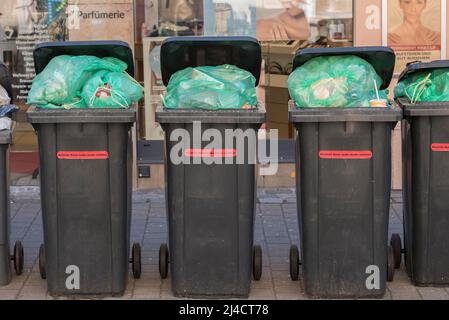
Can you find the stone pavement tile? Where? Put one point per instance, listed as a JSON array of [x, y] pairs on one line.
[[34, 279], [124, 297], [270, 207], [162, 236], [397, 208], [138, 225], [279, 267], [289, 292], [19, 232], [146, 293], [394, 219], [290, 219], [276, 227], [270, 231], [272, 215], [262, 294], [31, 244], [272, 191], [150, 264], [278, 240], [396, 194], [433, 293], [290, 208], [34, 288], [31, 294], [397, 231], [34, 233], [273, 219], [8, 294], [265, 265], [157, 229], [271, 200], [279, 250], [15, 284], [387, 295], [271, 234], [403, 292], [168, 295], [265, 283], [148, 285], [280, 260], [166, 283], [401, 278], [284, 280], [149, 273]]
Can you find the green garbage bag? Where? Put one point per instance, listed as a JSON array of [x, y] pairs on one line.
[[60, 83], [211, 88], [111, 90], [335, 81], [424, 87]]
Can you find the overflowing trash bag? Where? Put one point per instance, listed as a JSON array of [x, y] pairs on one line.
[[424, 86], [64, 80], [336, 81], [211, 88], [111, 89]]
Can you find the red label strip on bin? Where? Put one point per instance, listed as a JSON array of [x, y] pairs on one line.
[[211, 153], [440, 147], [83, 155], [342, 154]]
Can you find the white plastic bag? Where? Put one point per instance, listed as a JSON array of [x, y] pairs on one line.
[[4, 97]]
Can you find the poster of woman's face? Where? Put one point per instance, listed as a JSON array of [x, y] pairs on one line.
[[414, 22], [414, 30]]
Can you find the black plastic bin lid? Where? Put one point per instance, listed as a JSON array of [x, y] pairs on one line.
[[179, 53], [418, 66], [383, 59], [46, 51]]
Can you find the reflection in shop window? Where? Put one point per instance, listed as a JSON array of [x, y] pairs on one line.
[[23, 24]]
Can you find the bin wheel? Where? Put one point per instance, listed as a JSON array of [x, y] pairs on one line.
[[163, 260], [396, 243], [136, 260], [294, 263], [42, 262], [18, 258], [390, 264], [257, 263]]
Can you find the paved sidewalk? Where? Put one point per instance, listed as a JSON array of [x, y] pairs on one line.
[[276, 228]]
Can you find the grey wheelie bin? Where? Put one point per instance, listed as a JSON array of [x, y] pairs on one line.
[[85, 175], [210, 207], [425, 133], [343, 189], [5, 225]]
